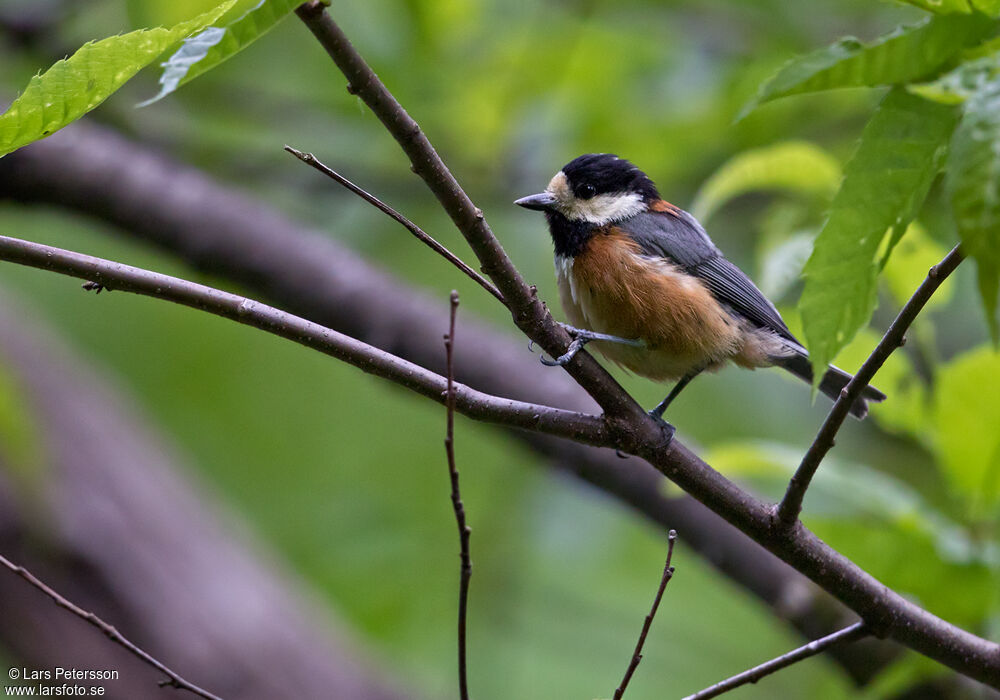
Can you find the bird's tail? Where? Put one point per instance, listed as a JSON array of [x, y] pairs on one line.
[[832, 383]]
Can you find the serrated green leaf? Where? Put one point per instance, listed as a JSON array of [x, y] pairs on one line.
[[795, 166], [904, 55], [967, 441], [204, 51], [74, 86], [960, 84], [885, 183], [974, 187]]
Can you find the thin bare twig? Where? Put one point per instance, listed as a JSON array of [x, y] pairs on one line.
[[173, 679], [310, 159], [456, 503], [791, 505], [668, 573], [848, 634], [469, 402]]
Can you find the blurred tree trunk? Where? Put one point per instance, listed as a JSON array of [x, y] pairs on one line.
[[97, 506]]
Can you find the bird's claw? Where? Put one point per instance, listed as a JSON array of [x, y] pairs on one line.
[[564, 359], [666, 429]]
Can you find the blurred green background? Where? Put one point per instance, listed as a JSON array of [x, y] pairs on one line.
[[345, 475]]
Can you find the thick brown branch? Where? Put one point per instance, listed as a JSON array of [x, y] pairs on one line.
[[426, 238], [527, 310], [174, 680], [848, 634], [469, 402], [465, 573], [668, 573], [791, 505]]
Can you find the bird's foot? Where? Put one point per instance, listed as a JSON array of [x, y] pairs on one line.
[[666, 429], [581, 337]]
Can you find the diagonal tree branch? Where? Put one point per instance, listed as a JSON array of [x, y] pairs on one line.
[[174, 680], [848, 634], [791, 505], [310, 159], [528, 312], [469, 402]]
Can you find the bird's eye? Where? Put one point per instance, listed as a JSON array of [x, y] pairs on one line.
[[586, 191]]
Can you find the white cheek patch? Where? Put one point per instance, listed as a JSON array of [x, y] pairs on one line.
[[599, 210], [605, 208]]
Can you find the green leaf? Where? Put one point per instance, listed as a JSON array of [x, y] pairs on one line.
[[967, 441], [962, 83], [906, 54], [74, 86], [884, 185], [204, 51], [974, 187], [794, 166], [781, 266]]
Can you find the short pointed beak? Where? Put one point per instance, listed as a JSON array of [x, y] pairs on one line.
[[539, 202]]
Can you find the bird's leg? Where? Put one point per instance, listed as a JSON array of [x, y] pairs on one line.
[[657, 413], [678, 387], [581, 337]]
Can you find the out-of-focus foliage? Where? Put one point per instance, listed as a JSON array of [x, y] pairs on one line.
[[346, 475], [966, 415], [797, 167]]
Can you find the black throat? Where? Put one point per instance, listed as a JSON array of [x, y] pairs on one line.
[[569, 237]]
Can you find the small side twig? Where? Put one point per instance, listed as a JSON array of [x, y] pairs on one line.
[[848, 634], [456, 502], [310, 159], [668, 573], [791, 505], [173, 679]]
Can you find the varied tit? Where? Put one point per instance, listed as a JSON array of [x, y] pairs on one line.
[[642, 279]]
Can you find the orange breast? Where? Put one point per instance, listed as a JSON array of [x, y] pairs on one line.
[[611, 287]]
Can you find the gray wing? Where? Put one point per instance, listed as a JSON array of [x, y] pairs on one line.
[[681, 239]]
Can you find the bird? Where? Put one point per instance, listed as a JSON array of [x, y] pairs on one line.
[[641, 279]]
